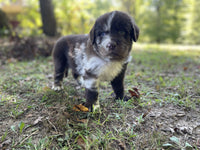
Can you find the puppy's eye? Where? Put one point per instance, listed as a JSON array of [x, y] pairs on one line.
[[102, 34]]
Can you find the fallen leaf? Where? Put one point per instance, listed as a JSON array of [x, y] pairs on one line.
[[82, 120], [146, 113], [138, 74], [39, 119], [46, 88], [80, 107], [134, 93], [185, 68], [81, 142]]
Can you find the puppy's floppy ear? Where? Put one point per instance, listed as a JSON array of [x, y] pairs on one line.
[[135, 31], [92, 35]]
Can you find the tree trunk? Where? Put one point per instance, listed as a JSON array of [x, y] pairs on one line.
[[158, 23], [48, 18], [4, 23]]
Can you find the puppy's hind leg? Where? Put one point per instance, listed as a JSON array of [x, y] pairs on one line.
[[60, 66], [60, 71]]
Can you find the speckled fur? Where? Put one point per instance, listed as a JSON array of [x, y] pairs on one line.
[[101, 55]]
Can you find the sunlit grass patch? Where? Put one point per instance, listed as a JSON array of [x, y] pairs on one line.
[[166, 73], [167, 80]]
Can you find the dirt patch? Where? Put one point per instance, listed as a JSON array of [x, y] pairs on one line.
[[149, 125], [26, 48], [169, 121]]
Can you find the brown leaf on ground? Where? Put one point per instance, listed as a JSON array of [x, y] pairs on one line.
[[185, 68], [80, 107], [81, 142], [82, 120], [146, 113], [46, 88], [134, 93], [39, 119]]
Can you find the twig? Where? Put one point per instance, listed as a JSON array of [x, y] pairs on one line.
[[52, 125], [28, 137], [105, 120], [20, 143]]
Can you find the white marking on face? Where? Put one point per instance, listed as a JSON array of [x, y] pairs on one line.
[[103, 50], [106, 40], [108, 25]]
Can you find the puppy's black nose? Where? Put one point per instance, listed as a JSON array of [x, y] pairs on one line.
[[111, 45]]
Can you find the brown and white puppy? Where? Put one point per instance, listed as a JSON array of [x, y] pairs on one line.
[[102, 55]]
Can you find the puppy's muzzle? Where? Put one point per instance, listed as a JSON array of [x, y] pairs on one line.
[[111, 46]]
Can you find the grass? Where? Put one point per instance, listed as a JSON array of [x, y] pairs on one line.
[[35, 117]]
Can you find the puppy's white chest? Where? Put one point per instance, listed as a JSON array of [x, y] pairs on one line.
[[103, 70], [95, 69], [110, 70], [99, 70]]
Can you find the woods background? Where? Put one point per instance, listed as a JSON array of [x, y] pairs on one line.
[[160, 21]]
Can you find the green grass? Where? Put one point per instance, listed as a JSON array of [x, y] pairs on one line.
[[35, 117]]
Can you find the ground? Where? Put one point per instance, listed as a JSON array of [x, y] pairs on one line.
[[166, 116]]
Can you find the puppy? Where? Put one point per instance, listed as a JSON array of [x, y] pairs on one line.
[[102, 55]]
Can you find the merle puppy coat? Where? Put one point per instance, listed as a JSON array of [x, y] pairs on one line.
[[102, 55]]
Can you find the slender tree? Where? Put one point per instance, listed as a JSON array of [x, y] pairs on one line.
[[48, 17], [4, 24], [195, 24]]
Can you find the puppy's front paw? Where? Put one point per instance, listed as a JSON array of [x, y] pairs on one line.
[[96, 107], [93, 107], [126, 98], [57, 88]]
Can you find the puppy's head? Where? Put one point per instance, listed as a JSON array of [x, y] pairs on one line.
[[112, 35]]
